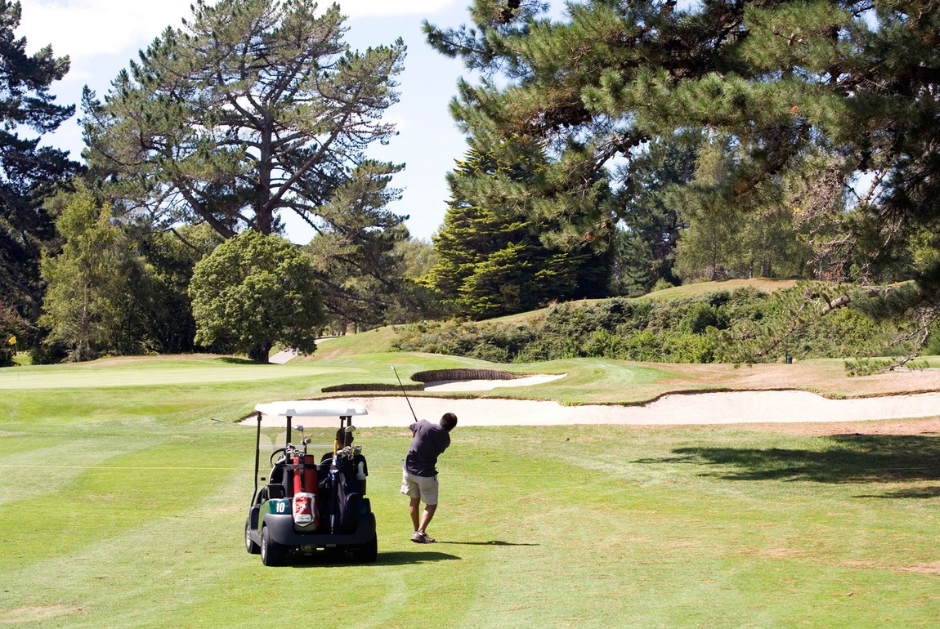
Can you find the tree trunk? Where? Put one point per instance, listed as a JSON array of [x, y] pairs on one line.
[[263, 211], [259, 353]]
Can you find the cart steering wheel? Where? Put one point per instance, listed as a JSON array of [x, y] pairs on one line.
[[275, 455]]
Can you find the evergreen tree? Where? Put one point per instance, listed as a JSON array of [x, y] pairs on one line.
[[28, 172], [252, 108], [712, 241], [12, 325], [96, 285], [760, 237], [360, 274], [493, 257], [829, 90], [171, 257], [649, 224]]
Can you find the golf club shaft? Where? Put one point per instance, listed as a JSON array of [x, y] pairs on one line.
[[405, 394]]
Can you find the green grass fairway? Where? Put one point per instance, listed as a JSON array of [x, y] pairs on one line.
[[122, 505]]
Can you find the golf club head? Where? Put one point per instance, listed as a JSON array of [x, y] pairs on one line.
[[350, 428]]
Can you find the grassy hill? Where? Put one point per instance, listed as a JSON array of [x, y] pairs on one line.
[[701, 323], [689, 290], [763, 284], [383, 339]]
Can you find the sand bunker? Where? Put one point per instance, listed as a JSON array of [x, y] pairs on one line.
[[679, 409], [488, 385]]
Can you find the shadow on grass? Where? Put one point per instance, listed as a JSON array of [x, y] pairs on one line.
[[325, 559], [494, 542], [385, 559], [425, 556], [840, 459], [920, 492], [235, 360]]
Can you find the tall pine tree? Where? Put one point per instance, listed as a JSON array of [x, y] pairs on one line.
[[251, 109], [493, 256], [650, 223], [28, 172]]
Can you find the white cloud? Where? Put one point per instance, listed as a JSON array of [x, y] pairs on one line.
[[386, 8], [85, 28]]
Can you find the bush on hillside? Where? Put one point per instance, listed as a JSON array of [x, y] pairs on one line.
[[698, 329]]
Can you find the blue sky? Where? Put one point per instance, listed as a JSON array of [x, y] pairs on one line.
[[101, 36]]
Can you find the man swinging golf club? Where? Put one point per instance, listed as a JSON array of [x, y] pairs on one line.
[[419, 474]]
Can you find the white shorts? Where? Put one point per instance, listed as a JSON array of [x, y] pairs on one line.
[[423, 487]]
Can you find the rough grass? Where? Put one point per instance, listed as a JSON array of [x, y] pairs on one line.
[[764, 284], [123, 506], [375, 341]]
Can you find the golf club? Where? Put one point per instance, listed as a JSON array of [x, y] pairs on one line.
[[405, 394]]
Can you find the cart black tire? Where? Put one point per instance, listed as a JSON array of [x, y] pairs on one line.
[[369, 552], [272, 553], [250, 546]]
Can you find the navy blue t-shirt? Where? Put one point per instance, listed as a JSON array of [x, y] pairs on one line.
[[430, 440]]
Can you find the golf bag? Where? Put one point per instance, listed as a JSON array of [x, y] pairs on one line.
[[340, 492]]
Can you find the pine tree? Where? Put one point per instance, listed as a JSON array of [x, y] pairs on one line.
[[360, 273], [493, 254], [28, 172], [832, 90], [649, 223], [252, 108]]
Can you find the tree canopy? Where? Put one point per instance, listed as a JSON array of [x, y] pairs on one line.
[[96, 285], [252, 108], [360, 276], [831, 105], [491, 256], [253, 291], [28, 172]]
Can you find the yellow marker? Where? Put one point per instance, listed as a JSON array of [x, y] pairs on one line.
[[12, 340]]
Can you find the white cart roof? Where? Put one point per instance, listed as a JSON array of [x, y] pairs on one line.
[[311, 408]]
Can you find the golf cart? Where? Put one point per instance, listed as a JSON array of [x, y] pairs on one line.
[[306, 506]]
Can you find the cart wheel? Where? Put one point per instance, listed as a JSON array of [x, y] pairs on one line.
[[250, 546], [369, 552], [272, 553]]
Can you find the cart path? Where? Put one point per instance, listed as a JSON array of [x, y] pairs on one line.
[[736, 407]]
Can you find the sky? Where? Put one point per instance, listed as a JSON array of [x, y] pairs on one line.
[[101, 36]]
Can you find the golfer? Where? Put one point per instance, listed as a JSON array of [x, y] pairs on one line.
[[419, 475]]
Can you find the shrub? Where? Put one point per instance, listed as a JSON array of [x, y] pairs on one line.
[[683, 330]]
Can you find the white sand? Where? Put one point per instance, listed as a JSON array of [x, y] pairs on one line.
[[700, 408], [489, 385]]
